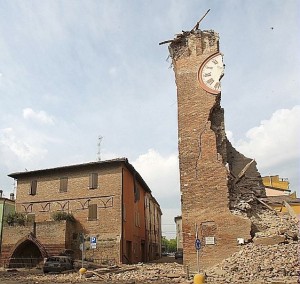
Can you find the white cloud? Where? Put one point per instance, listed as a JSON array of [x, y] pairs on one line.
[[160, 173], [274, 144], [274, 141], [229, 135], [39, 116], [20, 149]]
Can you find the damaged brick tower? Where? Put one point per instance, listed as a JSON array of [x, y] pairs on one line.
[[217, 182]]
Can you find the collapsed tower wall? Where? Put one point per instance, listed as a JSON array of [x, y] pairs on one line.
[[215, 179]]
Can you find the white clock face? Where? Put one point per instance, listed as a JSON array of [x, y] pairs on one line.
[[211, 72]]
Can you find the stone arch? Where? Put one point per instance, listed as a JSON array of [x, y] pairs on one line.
[[27, 252]]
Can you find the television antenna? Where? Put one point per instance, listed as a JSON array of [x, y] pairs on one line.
[[99, 147]]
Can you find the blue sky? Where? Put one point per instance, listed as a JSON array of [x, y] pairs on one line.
[[73, 70]]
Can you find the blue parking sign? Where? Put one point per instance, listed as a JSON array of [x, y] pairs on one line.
[[93, 242]]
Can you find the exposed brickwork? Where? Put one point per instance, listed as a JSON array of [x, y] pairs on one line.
[[208, 163], [51, 235]]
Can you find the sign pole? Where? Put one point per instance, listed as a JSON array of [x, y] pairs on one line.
[[197, 247], [82, 248], [199, 277], [198, 264], [82, 270], [82, 255]]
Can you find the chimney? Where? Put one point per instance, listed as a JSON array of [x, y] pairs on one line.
[[1, 192], [12, 196]]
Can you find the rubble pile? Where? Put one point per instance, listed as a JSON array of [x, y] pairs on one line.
[[264, 263], [266, 222], [271, 254], [146, 273], [257, 264], [157, 273]]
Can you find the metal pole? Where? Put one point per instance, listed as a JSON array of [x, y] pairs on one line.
[[82, 255], [198, 264], [83, 248]]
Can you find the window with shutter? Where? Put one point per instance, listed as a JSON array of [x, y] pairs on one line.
[[63, 184], [93, 181], [92, 212], [33, 187]]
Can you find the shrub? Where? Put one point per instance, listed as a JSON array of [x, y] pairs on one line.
[[61, 215], [15, 218]]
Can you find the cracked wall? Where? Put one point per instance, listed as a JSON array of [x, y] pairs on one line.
[[219, 186]]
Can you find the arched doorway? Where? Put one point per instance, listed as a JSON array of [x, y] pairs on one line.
[[28, 252]]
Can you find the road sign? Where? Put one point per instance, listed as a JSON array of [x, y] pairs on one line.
[[197, 244], [93, 242]]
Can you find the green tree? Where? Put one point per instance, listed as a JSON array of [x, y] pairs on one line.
[[172, 245], [168, 245]]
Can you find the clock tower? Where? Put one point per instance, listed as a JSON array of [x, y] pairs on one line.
[[212, 172]]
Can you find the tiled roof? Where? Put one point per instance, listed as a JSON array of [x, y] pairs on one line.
[[68, 167], [117, 161]]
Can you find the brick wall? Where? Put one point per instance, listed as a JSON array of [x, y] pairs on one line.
[[119, 198], [203, 150], [51, 235]]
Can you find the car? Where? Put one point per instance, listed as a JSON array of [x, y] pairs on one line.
[[58, 264], [179, 254]]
